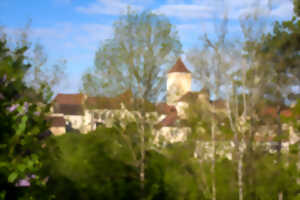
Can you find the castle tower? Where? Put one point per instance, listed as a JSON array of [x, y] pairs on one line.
[[178, 82]]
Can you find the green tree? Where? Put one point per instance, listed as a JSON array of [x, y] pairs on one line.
[[40, 75], [102, 165], [297, 7], [22, 120], [141, 49]]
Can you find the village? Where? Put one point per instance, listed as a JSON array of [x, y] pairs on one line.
[[150, 100]]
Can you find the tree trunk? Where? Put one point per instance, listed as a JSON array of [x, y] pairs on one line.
[[213, 166], [280, 196], [238, 154], [279, 147], [298, 163], [142, 161], [240, 173]]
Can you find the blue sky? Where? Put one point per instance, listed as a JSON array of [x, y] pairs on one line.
[[73, 29]]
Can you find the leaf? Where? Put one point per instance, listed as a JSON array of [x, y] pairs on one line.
[[12, 177], [21, 128], [21, 167], [2, 194], [4, 164]]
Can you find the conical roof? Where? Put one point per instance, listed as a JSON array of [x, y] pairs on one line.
[[179, 67]]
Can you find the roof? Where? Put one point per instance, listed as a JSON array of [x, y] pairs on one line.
[[170, 111], [69, 109], [127, 98], [169, 120], [69, 99], [286, 113], [99, 103], [102, 102], [164, 108], [179, 67], [219, 104], [56, 121], [273, 112]]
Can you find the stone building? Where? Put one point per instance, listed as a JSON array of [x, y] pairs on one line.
[[71, 112], [179, 80]]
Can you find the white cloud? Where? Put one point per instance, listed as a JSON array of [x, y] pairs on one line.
[[92, 34], [204, 27], [277, 9], [66, 37], [284, 10], [108, 7], [56, 32], [186, 11], [207, 9]]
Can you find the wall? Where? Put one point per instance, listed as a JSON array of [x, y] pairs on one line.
[[178, 84], [170, 135], [60, 130]]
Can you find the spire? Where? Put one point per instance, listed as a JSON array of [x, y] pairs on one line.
[[179, 67]]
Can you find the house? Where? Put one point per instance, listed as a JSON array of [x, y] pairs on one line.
[[84, 113]]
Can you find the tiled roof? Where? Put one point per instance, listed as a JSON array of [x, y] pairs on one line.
[[126, 98], [56, 121], [69, 109], [164, 108], [99, 103], [179, 67], [102, 102], [170, 120], [269, 111], [286, 113], [269, 138], [69, 99], [273, 112]]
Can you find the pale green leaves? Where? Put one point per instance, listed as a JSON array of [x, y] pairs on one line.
[[22, 126], [12, 177]]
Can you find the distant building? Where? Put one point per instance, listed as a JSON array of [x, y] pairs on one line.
[[71, 112]]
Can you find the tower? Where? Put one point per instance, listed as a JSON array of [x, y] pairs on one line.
[[179, 80]]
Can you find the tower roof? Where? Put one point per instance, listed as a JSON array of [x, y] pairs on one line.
[[179, 67]]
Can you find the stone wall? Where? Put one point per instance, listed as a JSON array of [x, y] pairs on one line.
[[178, 84]]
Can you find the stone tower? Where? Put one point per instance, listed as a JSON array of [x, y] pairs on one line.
[[178, 82]]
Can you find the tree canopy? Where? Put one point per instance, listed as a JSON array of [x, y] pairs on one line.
[[141, 49]]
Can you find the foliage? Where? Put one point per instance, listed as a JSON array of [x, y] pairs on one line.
[[297, 7], [21, 121], [278, 56], [133, 59], [100, 165]]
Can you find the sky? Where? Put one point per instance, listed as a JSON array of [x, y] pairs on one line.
[[74, 29]]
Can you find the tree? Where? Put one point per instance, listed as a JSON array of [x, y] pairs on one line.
[[297, 7], [40, 75], [22, 116], [142, 48], [212, 63], [140, 51], [277, 56]]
